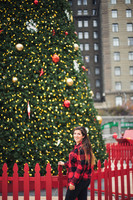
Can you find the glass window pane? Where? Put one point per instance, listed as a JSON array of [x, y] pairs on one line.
[[94, 23], [79, 24], [127, 1], [85, 23], [128, 13], [84, 2], [113, 1], [114, 13], [97, 71], [96, 47], [97, 83], [117, 71], [79, 12], [81, 47], [94, 12], [131, 70], [80, 35], [118, 101], [95, 35], [115, 41], [86, 47], [86, 35], [131, 85], [95, 58], [85, 12], [130, 41], [116, 56], [87, 59], [98, 95], [130, 55], [78, 2], [129, 27], [115, 27], [118, 85]]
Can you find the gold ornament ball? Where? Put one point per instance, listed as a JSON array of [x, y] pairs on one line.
[[19, 47], [99, 118], [76, 47], [69, 82], [14, 79]]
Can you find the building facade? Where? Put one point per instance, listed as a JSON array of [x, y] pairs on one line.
[[105, 33]]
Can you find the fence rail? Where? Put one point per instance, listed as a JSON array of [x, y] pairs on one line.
[[114, 179], [117, 151]]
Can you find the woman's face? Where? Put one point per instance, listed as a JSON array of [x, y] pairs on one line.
[[78, 137]]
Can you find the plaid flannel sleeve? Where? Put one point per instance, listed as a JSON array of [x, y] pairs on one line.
[[80, 167]]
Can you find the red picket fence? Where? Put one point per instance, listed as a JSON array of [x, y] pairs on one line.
[[117, 151], [115, 179]]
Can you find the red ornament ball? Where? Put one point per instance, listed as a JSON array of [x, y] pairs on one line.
[[36, 2], [66, 33], [66, 103], [53, 31], [83, 67], [55, 58]]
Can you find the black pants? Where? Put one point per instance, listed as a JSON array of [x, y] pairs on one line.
[[80, 191]]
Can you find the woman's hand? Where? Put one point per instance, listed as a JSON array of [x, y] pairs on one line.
[[61, 163], [71, 187]]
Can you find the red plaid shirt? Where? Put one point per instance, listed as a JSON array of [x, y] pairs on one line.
[[78, 168]]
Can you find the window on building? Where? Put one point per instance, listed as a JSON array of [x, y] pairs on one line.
[[96, 47], [118, 85], [94, 2], [80, 23], [131, 99], [94, 12], [79, 12], [97, 83], [130, 41], [70, 2], [80, 35], [118, 101], [96, 58], [97, 71], [87, 59], [81, 47], [79, 2], [85, 23], [84, 2], [86, 35], [128, 13], [131, 70], [82, 58], [115, 27], [114, 13], [85, 12], [130, 27], [117, 56], [115, 41], [98, 95], [113, 1], [131, 85], [95, 34], [130, 55], [127, 1], [117, 71], [86, 47], [95, 23]]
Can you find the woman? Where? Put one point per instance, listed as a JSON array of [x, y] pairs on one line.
[[79, 166]]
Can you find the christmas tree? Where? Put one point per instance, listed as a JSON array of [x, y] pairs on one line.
[[44, 86]]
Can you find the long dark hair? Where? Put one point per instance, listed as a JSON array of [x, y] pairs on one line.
[[86, 145]]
